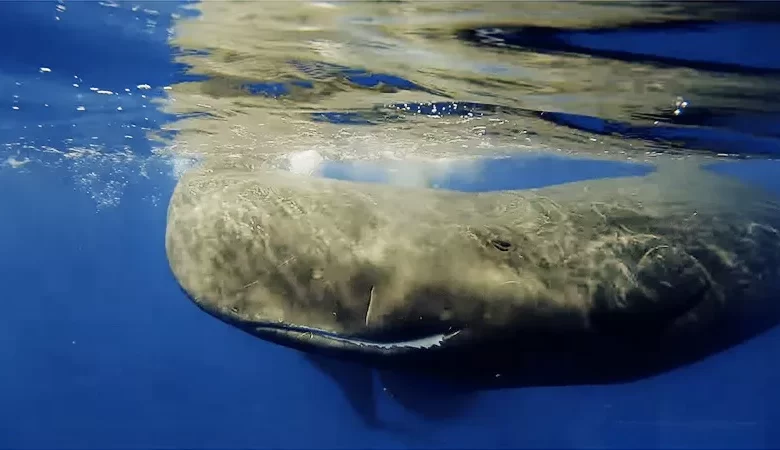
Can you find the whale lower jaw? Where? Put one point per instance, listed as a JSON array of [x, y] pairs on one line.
[[330, 339]]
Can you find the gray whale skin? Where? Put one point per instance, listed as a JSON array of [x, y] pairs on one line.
[[585, 282]]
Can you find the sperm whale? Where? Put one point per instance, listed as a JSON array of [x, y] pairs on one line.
[[587, 281]]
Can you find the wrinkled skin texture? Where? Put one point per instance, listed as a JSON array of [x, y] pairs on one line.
[[589, 278]]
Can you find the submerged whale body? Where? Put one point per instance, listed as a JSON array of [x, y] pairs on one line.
[[585, 282]]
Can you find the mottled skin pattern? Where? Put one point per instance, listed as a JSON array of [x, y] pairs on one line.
[[587, 266]]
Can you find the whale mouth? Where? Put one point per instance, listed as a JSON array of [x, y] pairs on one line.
[[325, 338]]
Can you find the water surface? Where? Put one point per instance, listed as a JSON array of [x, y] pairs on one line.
[[433, 79]]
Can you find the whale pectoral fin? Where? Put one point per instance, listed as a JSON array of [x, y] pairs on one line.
[[668, 284], [355, 381]]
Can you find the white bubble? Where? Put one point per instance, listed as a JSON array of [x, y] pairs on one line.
[[305, 162]]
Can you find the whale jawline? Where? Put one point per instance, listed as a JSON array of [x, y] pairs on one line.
[[328, 338]]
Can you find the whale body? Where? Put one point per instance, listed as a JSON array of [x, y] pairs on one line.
[[591, 281]]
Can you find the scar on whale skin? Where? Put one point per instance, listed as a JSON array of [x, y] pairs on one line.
[[614, 277]]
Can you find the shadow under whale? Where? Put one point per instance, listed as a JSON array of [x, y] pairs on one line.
[[364, 386]]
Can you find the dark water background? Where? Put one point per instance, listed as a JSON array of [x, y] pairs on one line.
[[100, 349]]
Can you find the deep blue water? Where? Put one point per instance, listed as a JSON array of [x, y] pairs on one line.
[[99, 348]]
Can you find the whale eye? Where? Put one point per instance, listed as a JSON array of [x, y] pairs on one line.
[[501, 245]]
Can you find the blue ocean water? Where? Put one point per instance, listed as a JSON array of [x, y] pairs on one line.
[[99, 347]]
